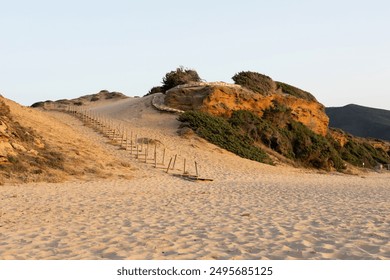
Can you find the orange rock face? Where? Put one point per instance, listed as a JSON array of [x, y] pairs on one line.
[[339, 136], [222, 100]]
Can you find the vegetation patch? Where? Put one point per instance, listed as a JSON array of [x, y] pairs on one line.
[[219, 131], [294, 91], [153, 90], [289, 138], [180, 76], [255, 81], [361, 153]]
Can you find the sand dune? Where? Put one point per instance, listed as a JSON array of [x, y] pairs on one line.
[[249, 211]]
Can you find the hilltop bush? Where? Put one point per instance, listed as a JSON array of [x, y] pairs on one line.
[[255, 81], [38, 104], [180, 76], [294, 91], [153, 90]]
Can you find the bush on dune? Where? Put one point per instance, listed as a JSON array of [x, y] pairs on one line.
[[218, 131], [255, 81], [293, 139], [180, 76]]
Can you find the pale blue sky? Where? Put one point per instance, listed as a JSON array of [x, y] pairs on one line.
[[337, 50]]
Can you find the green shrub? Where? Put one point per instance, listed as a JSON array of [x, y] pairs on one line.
[[153, 90], [359, 152], [218, 131], [291, 90], [293, 139], [179, 77], [255, 81], [38, 104], [245, 131], [278, 114], [313, 149]]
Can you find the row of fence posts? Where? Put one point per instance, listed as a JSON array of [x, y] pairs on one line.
[[140, 148]]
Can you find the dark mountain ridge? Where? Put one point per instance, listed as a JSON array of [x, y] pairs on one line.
[[361, 121]]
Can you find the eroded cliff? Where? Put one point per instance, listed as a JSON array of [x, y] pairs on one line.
[[222, 99]]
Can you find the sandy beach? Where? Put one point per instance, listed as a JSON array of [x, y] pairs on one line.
[[249, 210]]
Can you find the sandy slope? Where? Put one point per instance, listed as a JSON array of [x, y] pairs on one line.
[[64, 134], [249, 211]]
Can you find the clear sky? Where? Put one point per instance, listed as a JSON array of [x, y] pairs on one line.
[[337, 50]]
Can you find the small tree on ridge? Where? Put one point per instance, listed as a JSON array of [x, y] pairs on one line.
[[180, 76]]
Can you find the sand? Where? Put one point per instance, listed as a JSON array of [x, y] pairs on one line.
[[249, 211]]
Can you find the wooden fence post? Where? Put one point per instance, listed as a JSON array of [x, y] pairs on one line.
[[196, 169], [174, 163], [155, 155], [169, 165], [163, 158]]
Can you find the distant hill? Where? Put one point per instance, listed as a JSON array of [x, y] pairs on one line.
[[83, 100], [361, 121]]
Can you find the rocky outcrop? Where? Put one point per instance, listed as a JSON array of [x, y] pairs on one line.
[[222, 99], [342, 138], [339, 136], [15, 140], [159, 103]]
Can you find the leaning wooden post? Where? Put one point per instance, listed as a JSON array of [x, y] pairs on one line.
[[196, 169], [131, 144], [169, 165], [123, 131], [184, 168], [125, 141], [155, 155], [163, 157], [174, 163], [123, 138]]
